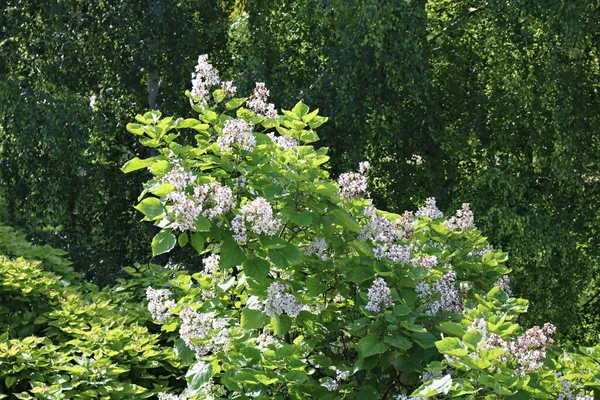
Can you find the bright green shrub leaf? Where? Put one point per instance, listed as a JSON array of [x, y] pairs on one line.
[[163, 242], [198, 376], [451, 346], [398, 341], [231, 254], [439, 385], [136, 164], [252, 319], [451, 328], [235, 103], [198, 242], [182, 239], [151, 207]]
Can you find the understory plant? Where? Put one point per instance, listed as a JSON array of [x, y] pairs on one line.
[[308, 291], [62, 339]]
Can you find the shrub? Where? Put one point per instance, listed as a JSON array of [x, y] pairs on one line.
[[63, 340], [308, 291]]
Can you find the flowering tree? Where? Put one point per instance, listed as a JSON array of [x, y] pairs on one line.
[[309, 291]]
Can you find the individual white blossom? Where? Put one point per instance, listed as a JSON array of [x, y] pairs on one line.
[[463, 219], [284, 142], [354, 184], [264, 340], [259, 215], [203, 78], [476, 252], [430, 210], [318, 247], [236, 131], [480, 325], [195, 325], [417, 159], [504, 283], [364, 167], [279, 302], [93, 101], [380, 296], [167, 396], [257, 102], [160, 303], [228, 88]]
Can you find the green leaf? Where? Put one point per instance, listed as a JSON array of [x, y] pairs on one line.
[[436, 386], [451, 328], [198, 376], [231, 254], [252, 319], [9, 381], [368, 393], [315, 285], [300, 109], [256, 267], [151, 207], [399, 341], [346, 220], [163, 242], [183, 351], [370, 345], [183, 239], [136, 163], [202, 224], [451, 346], [235, 103], [198, 242], [472, 339]]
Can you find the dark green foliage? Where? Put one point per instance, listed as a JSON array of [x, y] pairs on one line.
[[59, 154], [61, 340], [500, 101]]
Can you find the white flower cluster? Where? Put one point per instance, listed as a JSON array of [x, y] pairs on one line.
[[380, 296], [430, 210], [257, 102], [377, 229], [228, 88], [284, 142], [167, 396], [217, 199], [425, 261], [529, 349], [504, 283], [429, 375], [259, 214], [179, 177], [280, 302], [354, 184], [395, 253], [160, 303], [476, 252], [197, 325], [211, 264], [403, 396], [480, 325], [463, 219], [567, 392], [330, 384], [203, 78], [449, 297], [264, 340], [237, 131], [213, 391], [318, 247]]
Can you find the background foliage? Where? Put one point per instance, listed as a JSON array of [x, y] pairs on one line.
[[498, 99]]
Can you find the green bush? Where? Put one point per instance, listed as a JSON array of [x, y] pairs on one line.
[[65, 340], [308, 291]]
